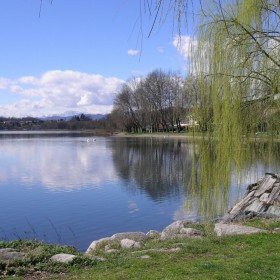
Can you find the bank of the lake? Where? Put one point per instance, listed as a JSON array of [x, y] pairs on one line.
[[186, 135], [210, 257], [264, 137]]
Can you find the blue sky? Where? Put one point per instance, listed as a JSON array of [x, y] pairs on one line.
[[75, 56]]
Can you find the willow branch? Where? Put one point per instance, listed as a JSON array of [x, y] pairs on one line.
[[155, 18], [257, 43]]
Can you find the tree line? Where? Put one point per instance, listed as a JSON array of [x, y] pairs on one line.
[[161, 101], [78, 122], [233, 86]]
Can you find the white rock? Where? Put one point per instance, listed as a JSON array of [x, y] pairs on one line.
[[137, 236], [257, 206], [128, 243], [63, 258], [153, 234], [97, 244], [274, 210], [265, 185], [230, 229], [241, 204], [173, 229], [264, 197]]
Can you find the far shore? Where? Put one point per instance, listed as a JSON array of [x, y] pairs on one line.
[[173, 135], [185, 135]]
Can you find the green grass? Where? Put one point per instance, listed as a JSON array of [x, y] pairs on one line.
[[37, 259], [262, 223], [230, 257], [235, 257]]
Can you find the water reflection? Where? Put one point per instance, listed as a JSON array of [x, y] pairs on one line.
[[157, 166], [165, 168], [56, 164], [160, 168], [87, 190]]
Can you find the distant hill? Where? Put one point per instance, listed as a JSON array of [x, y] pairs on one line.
[[26, 119], [70, 116]]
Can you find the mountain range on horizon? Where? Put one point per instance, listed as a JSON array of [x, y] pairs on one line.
[[64, 116], [68, 115]]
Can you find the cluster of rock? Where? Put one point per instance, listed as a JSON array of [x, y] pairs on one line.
[[262, 199], [127, 240]]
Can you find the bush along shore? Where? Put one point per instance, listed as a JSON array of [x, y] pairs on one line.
[[245, 244]]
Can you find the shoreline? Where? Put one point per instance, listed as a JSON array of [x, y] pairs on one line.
[[179, 241], [120, 134], [164, 135], [185, 135]]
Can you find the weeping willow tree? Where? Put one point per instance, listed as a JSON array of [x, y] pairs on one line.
[[237, 65]]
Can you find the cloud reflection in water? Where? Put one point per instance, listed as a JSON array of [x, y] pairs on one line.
[[67, 165]]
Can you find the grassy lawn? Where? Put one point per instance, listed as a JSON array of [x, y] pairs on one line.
[[230, 257], [235, 257]]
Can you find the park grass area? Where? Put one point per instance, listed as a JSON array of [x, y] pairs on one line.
[[230, 257]]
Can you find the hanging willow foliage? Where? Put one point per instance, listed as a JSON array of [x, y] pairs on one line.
[[238, 65]]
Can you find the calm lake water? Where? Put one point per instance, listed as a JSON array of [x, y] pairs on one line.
[[70, 188]]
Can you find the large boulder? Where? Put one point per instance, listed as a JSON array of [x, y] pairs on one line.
[[128, 243], [114, 239], [231, 229], [63, 258], [136, 236], [262, 199], [153, 234], [180, 229], [97, 244]]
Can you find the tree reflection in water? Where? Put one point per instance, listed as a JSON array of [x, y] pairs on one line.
[[210, 181], [157, 166]]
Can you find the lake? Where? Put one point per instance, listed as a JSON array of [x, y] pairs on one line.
[[73, 188]]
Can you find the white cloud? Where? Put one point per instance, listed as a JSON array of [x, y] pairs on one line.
[[132, 52], [186, 45], [28, 80], [85, 100], [59, 91], [4, 83], [191, 49]]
